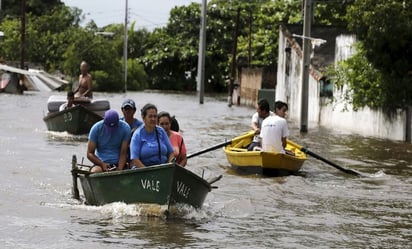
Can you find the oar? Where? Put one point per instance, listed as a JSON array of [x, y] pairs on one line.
[[75, 189], [214, 147], [309, 152], [217, 146]]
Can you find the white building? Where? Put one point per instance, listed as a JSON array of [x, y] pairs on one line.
[[322, 111]]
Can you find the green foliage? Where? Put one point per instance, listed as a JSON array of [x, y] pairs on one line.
[[359, 81], [12, 8], [384, 28], [46, 37], [10, 46], [166, 58], [136, 76], [331, 12], [171, 51], [100, 80]]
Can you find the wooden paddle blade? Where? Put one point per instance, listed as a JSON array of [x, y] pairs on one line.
[[75, 189]]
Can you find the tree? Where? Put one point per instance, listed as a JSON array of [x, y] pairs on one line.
[[360, 81], [10, 46], [98, 51], [47, 36], [12, 8], [384, 30], [172, 51]]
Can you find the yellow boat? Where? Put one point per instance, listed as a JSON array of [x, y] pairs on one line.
[[263, 162]]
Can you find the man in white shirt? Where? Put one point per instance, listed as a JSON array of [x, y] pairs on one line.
[[274, 130], [262, 112]]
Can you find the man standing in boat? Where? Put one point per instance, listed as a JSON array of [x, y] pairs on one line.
[[275, 129], [85, 88]]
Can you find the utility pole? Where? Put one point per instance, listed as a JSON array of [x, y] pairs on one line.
[[22, 33], [307, 23], [201, 55], [125, 46], [233, 65]]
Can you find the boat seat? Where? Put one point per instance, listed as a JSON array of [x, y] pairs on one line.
[[242, 144], [238, 149]]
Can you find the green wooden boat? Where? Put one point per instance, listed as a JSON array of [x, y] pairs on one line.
[[166, 184], [76, 120]]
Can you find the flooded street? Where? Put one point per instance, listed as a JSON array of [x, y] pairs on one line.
[[321, 207]]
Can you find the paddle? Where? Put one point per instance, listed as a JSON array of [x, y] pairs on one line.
[[75, 174], [214, 147], [309, 152], [75, 189], [217, 146]]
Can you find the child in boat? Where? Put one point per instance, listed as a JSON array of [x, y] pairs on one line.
[[70, 102]]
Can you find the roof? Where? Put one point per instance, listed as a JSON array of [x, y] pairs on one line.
[[324, 54], [36, 80]]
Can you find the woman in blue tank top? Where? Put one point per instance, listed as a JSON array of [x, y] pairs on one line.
[[150, 144]]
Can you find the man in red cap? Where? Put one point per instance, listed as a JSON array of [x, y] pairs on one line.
[[108, 143]]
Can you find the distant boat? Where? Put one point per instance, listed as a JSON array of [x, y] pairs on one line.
[[263, 162], [166, 184], [76, 120]]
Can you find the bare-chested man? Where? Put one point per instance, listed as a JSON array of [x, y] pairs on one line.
[[85, 82]]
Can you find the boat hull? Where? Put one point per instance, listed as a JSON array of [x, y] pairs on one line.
[[77, 120], [166, 184], [270, 163]]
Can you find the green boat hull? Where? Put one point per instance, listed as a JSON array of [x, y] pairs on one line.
[[166, 184], [77, 120]]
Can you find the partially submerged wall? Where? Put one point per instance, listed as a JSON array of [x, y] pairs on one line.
[[322, 111]]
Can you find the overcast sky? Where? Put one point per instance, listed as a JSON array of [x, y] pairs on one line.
[[149, 14]]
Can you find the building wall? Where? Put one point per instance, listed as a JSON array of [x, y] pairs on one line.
[[322, 111], [289, 82], [251, 82]]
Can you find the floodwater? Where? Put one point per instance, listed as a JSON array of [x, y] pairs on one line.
[[319, 208]]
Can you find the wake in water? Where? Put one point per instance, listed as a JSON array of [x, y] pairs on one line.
[[119, 210], [65, 136]]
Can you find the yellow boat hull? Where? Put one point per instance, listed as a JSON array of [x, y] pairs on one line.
[[262, 161]]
